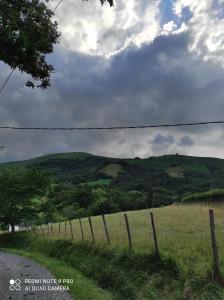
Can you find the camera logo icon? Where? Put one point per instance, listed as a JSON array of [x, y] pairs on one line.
[[14, 284]]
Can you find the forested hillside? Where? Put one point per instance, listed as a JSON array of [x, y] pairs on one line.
[[89, 184]]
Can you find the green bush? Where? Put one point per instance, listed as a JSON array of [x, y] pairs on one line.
[[211, 196]]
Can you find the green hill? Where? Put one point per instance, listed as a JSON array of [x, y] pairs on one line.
[[168, 175]]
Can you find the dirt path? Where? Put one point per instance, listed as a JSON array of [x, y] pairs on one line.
[[18, 270]]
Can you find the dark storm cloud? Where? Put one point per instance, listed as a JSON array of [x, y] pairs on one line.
[[157, 83], [162, 142], [160, 139], [186, 141]]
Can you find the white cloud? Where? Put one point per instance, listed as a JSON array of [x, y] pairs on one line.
[[91, 28], [166, 81], [205, 26], [170, 26]]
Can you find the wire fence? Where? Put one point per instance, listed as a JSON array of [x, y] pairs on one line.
[[189, 238]]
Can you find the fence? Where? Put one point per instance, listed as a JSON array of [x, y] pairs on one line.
[[193, 236]]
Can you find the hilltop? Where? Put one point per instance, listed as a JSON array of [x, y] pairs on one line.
[[168, 175]]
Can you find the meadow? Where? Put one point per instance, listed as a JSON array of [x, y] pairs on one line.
[[183, 234]]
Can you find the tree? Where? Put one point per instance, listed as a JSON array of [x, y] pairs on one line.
[[83, 196], [149, 197], [27, 34], [102, 203], [68, 200], [19, 190]]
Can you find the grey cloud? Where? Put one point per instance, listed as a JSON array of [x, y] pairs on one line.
[[160, 139], [134, 87], [186, 141], [161, 143]]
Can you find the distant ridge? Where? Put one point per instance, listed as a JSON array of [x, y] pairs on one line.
[[173, 175], [75, 155]]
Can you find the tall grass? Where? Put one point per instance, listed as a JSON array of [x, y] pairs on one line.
[[124, 274], [183, 234]]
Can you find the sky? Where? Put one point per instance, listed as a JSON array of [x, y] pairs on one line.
[[140, 62]]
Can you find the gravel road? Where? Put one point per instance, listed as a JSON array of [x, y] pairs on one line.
[[18, 271]]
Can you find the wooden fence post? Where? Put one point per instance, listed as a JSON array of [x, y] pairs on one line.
[[215, 253], [28, 228], [128, 231], [34, 230], [154, 234], [91, 228], [106, 229], [51, 229], [48, 229], [42, 230], [80, 223], [65, 228], [71, 229]]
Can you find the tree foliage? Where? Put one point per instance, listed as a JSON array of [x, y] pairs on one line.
[[27, 35], [111, 2], [18, 190]]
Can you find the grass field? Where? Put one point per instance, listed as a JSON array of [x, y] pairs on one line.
[[112, 272], [111, 170], [176, 172], [183, 234], [99, 182]]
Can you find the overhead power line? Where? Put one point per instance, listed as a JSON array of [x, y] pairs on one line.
[[111, 128], [7, 79], [59, 2]]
